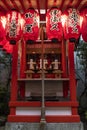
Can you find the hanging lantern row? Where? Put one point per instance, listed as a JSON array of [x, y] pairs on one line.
[[17, 26], [58, 25], [14, 26]]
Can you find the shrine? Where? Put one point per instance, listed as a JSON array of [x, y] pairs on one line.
[[43, 81], [43, 65]]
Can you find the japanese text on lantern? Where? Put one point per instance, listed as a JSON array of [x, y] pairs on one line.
[[55, 18], [13, 25], [73, 20]]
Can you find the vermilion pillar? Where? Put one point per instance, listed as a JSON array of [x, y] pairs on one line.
[[14, 77], [72, 83], [64, 75], [72, 71], [63, 49], [22, 69], [14, 73]]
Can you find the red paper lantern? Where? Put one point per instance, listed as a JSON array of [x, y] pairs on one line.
[[2, 28], [7, 47], [3, 42], [2, 32], [31, 25], [84, 25], [13, 26], [54, 24], [72, 24]]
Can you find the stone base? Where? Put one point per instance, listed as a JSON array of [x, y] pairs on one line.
[[47, 126]]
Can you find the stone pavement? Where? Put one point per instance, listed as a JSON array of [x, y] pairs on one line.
[[2, 127], [47, 126]]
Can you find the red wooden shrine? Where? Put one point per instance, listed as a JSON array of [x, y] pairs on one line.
[[59, 82], [43, 82]]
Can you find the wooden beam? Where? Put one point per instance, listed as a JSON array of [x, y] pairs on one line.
[[15, 5], [46, 5], [55, 2], [29, 1], [78, 3], [83, 6], [69, 4], [62, 3], [2, 9], [38, 6], [30, 5], [21, 1], [6, 4]]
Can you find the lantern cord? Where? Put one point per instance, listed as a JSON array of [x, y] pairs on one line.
[[43, 120]]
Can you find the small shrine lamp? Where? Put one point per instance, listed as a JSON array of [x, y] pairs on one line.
[[84, 25], [71, 24], [13, 26], [2, 28], [31, 26], [54, 25]]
